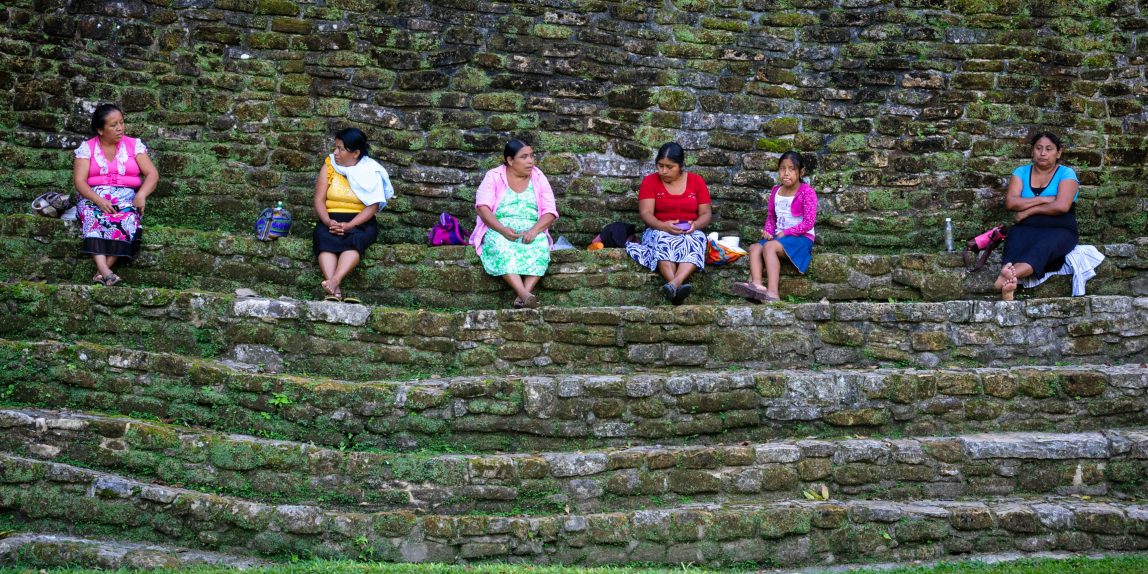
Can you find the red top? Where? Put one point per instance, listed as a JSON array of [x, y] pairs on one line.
[[669, 207]]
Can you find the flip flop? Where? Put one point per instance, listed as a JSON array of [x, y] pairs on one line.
[[750, 292], [110, 279], [333, 299], [352, 300]]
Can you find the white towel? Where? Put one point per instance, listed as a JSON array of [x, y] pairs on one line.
[[369, 181], [1081, 263]]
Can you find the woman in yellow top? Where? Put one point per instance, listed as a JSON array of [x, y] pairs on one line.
[[350, 189]]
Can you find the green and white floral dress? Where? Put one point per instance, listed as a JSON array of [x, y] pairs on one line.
[[518, 211]]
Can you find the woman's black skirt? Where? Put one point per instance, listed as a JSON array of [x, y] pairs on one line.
[[359, 239], [1042, 241]]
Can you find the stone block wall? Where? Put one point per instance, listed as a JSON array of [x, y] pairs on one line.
[[1086, 464], [515, 414], [452, 277], [916, 110], [355, 341], [779, 534]]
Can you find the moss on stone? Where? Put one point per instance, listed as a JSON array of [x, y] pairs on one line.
[[553, 32], [499, 101], [470, 79], [567, 142]]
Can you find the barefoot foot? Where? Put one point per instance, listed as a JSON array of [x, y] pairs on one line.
[[1008, 273], [1008, 290]]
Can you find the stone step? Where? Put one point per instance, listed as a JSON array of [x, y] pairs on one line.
[[47, 497], [362, 342], [1112, 463], [452, 277], [59, 551], [564, 412]]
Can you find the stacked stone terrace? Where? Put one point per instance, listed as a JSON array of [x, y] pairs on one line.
[[142, 421], [890, 410], [916, 109]]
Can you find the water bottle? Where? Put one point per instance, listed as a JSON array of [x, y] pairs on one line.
[[948, 234]]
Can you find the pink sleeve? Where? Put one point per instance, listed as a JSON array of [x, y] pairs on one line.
[[808, 212], [485, 194], [546, 203], [770, 216]]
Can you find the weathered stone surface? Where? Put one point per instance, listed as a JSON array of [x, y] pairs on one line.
[[571, 464], [1036, 446]]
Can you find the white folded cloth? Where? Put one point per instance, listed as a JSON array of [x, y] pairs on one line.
[[369, 181], [1081, 263]]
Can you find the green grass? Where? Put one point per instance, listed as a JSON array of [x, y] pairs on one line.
[[1113, 565]]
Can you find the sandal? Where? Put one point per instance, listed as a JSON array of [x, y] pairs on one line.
[[530, 302], [681, 294], [97, 278], [669, 292], [517, 304], [745, 291], [751, 293], [110, 279]]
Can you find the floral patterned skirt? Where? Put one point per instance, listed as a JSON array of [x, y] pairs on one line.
[[116, 234]]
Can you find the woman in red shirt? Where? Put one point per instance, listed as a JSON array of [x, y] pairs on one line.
[[675, 206]]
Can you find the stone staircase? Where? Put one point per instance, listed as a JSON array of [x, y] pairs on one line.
[[169, 422]]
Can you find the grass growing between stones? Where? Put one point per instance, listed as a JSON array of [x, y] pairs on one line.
[[1076, 565]]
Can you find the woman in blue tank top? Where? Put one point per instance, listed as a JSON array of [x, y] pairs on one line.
[[1043, 197]]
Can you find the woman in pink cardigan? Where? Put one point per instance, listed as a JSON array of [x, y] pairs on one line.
[[515, 203], [790, 216]]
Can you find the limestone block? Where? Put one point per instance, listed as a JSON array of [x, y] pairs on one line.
[[575, 464]]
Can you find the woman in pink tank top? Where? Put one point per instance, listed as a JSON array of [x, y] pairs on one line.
[[114, 177]]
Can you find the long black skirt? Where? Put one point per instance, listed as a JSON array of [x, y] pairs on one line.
[[1042, 241], [359, 239]]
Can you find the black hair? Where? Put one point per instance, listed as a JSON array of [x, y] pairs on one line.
[[673, 152], [354, 140], [803, 164], [100, 115], [511, 149], [1051, 137]]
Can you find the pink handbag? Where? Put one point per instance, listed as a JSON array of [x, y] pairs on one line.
[[448, 231], [982, 246]]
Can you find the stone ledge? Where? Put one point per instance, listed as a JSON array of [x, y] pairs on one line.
[[563, 412], [54, 550], [322, 338], [452, 277], [51, 496], [1110, 463]]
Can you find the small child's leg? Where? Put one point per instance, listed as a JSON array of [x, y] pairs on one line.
[[773, 253], [756, 252]]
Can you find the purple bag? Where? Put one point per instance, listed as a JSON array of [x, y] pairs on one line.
[[448, 231]]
